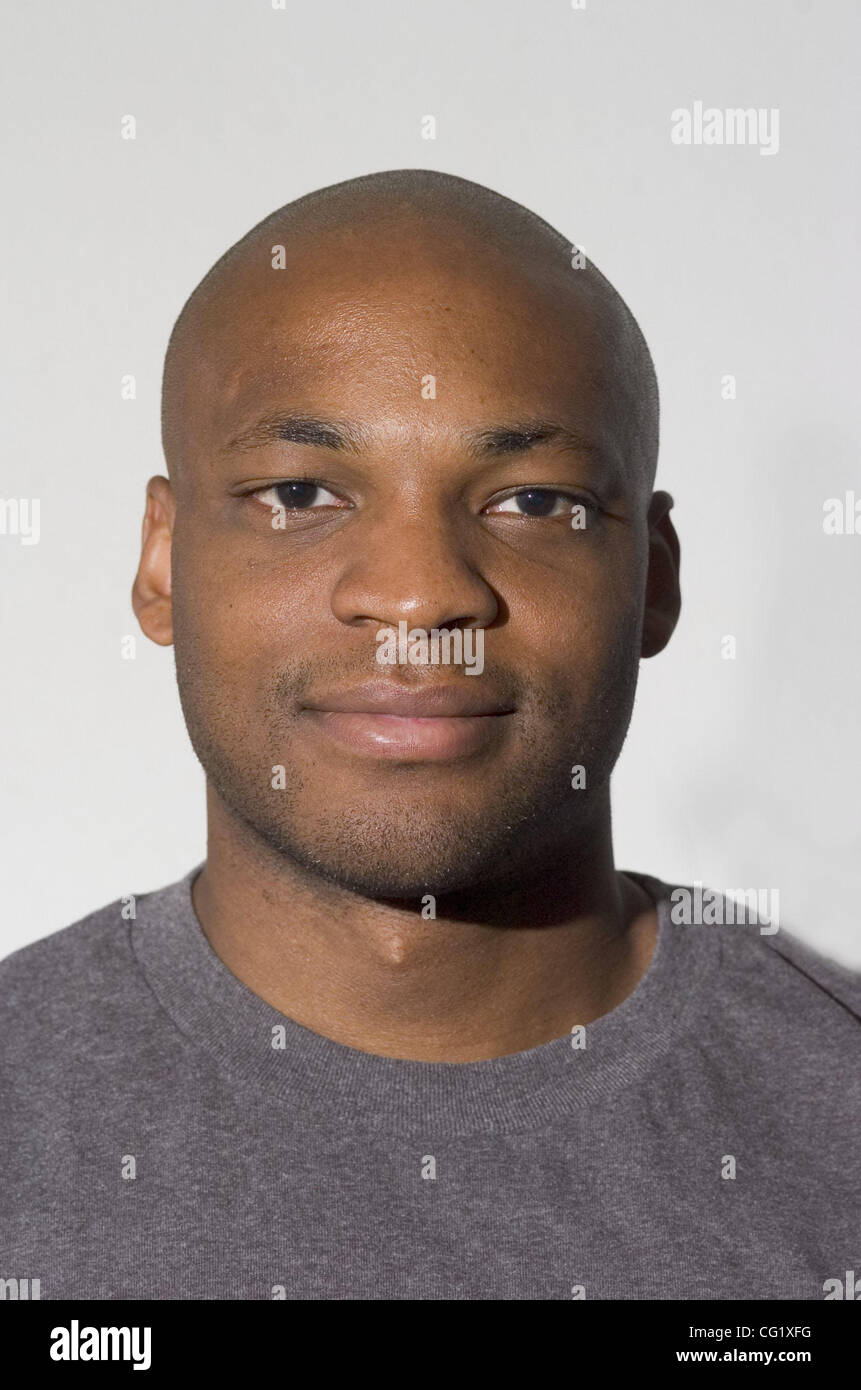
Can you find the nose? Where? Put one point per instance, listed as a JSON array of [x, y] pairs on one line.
[[413, 568]]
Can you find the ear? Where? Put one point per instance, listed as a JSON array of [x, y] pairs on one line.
[[663, 596], [151, 599]]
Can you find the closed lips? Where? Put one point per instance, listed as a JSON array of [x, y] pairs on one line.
[[409, 702]]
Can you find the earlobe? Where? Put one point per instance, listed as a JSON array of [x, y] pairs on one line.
[[663, 595], [151, 591]]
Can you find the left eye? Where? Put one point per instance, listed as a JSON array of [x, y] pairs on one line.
[[297, 494], [540, 501]]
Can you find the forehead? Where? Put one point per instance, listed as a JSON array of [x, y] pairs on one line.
[[355, 329]]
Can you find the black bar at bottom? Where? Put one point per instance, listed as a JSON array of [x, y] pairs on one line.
[[156, 1338]]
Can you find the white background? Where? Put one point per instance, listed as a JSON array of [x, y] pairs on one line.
[[737, 773]]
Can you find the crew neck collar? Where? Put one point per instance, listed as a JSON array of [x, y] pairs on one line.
[[314, 1076]]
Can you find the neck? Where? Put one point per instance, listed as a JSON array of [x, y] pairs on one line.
[[497, 971]]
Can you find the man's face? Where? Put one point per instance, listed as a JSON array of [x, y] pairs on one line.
[[423, 519]]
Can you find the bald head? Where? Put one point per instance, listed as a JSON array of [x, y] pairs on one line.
[[442, 228]]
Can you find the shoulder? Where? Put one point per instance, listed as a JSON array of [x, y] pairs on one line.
[[779, 1017], [758, 954], [76, 956], [783, 980], [52, 991], [836, 987], [60, 994]]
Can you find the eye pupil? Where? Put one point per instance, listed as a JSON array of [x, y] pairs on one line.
[[537, 501], [297, 493]]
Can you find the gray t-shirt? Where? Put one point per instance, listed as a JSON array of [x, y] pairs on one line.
[[164, 1133]]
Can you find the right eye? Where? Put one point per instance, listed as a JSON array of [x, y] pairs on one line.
[[297, 495]]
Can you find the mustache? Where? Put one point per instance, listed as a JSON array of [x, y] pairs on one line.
[[303, 680]]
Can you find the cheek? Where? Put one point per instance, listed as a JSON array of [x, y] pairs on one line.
[[572, 620], [237, 614]]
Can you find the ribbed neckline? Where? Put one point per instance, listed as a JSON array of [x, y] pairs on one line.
[[335, 1085]]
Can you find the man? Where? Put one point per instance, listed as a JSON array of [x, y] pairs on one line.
[[408, 1033]]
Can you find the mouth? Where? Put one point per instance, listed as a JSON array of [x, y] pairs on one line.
[[406, 724]]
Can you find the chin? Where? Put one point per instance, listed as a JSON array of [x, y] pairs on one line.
[[397, 861], [373, 877]]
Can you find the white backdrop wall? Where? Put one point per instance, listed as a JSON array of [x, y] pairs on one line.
[[739, 772]]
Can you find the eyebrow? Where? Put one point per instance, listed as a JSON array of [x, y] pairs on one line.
[[341, 436]]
